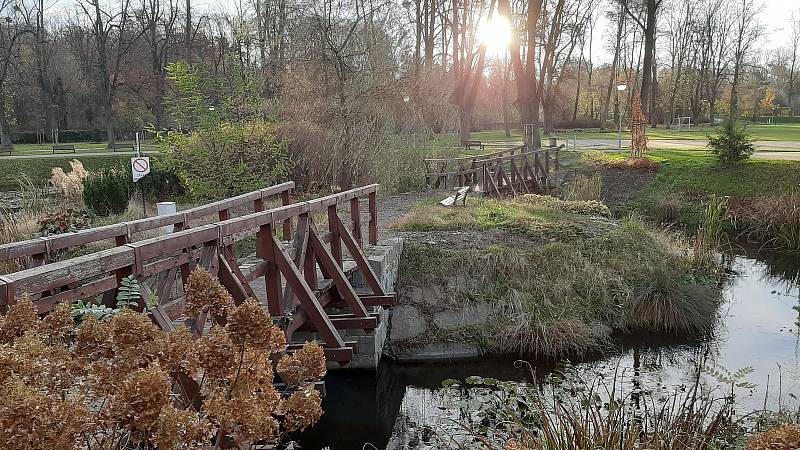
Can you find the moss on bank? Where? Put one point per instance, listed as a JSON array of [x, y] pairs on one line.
[[560, 298]]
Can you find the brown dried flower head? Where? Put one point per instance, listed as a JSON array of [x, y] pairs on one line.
[[204, 293], [139, 401], [20, 318], [178, 429], [302, 409], [306, 364], [249, 325], [216, 353]]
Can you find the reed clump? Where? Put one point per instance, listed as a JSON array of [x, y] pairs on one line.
[[772, 220]]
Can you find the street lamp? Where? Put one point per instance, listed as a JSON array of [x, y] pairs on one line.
[[621, 86]]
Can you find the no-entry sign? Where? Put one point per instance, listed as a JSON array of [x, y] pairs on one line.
[[140, 166]]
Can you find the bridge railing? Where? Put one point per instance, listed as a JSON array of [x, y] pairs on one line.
[[511, 169], [43, 250], [294, 291]]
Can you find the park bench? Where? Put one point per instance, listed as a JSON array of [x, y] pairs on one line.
[[123, 147], [63, 148], [459, 198], [469, 145]]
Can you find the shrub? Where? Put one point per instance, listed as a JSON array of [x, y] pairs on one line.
[[123, 383], [65, 221], [227, 160], [107, 191], [667, 206], [731, 144]]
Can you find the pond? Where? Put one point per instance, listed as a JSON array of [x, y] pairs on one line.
[[757, 328]]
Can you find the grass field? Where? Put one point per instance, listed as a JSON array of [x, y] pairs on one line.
[[781, 132], [39, 170], [694, 176]]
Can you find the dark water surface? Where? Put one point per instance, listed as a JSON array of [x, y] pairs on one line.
[[758, 328]]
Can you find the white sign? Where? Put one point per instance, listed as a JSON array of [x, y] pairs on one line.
[[140, 166]]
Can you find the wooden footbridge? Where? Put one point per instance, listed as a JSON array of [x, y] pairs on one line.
[[513, 171], [299, 273]]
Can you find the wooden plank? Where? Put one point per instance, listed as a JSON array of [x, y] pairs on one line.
[[343, 286], [361, 261], [379, 300], [56, 275], [346, 322], [229, 280], [272, 277], [355, 219], [308, 301], [373, 218], [286, 199], [85, 291], [300, 245], [22, 249], [333, 227]]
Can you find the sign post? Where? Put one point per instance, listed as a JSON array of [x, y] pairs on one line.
[[140, 166]]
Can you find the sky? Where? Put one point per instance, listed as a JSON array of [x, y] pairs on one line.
[[775, 17]]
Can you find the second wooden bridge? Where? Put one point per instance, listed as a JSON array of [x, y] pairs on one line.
[[513, 171]]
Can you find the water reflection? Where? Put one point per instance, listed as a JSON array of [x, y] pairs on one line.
[[758, 328]]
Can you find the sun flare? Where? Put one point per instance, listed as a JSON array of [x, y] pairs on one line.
[[495, 33]]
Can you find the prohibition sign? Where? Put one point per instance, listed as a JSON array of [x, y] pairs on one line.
[[140, 166]]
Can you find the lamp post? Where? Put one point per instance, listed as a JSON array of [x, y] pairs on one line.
[[621, 86]]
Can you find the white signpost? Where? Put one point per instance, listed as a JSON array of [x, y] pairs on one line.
[[140, 166]]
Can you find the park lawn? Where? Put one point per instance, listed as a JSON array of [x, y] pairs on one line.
[[697, 175], [778, 132], [39, 169]]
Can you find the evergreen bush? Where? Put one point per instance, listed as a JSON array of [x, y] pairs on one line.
[[107, 191], [731, 144]]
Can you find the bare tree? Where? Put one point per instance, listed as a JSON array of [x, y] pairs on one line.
[[13, 26], [113, 35], [648, 27], [680, 35], [747, 30], [794, 55]]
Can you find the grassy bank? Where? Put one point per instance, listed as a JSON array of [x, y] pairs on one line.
[[762, 195], [39, 169], [560, 297]]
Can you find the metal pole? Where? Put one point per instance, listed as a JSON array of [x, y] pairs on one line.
[[619, 131], [141, 185]]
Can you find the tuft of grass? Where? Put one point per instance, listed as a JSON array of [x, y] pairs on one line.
[[667, 206], [583, 188], [565, 298]]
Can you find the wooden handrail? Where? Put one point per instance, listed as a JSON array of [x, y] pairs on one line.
[[40, 248], [133, 257], [478, 157]]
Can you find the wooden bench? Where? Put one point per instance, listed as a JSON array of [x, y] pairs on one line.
[[63, 148], [459, 198], [123, 147], [469, 145]]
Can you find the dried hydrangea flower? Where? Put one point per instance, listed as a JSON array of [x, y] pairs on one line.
[[203, 293], [304, 365], [249, 325], [20, 318], [30, 419], [302, 409], [141, 397], [216, 353], [177, 429], [59, 324]]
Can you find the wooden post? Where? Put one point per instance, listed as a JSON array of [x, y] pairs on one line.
[[265, 245], [373, 218], [336, 241], [355, 218], [286, 199]]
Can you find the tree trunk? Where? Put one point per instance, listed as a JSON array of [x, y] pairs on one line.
[[5, 126], [464, 125], [649, 53], [506, 112]]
